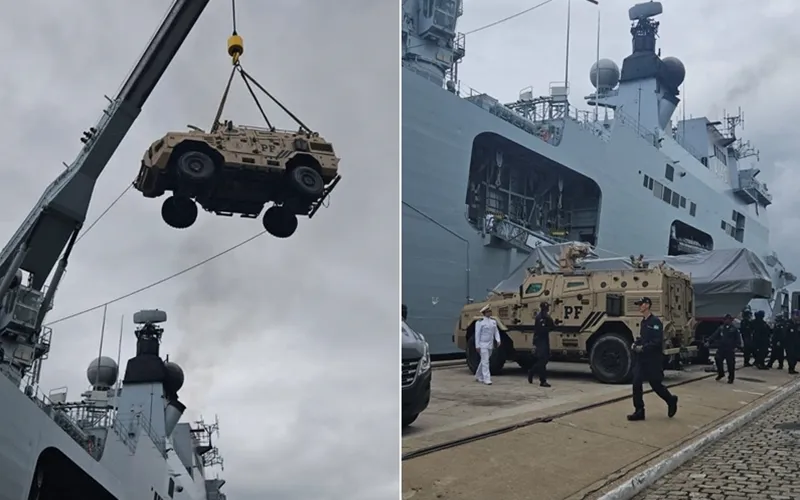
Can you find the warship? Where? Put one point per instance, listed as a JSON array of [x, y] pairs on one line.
[[116, 442], [484, 181]]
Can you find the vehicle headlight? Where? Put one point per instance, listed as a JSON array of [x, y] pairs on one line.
[[425, 362]]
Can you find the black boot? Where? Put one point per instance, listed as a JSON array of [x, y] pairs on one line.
[[719, 376], [530, 376], [730, 380], [672, 407], [636, 416], [544, 383]]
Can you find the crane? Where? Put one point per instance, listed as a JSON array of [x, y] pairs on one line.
[[46, 237]]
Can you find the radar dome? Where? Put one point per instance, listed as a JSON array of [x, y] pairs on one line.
[[102, 372], [175, 379], [604, 74], [674, 70]]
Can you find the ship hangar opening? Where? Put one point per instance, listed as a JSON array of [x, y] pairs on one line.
[[530, 190]]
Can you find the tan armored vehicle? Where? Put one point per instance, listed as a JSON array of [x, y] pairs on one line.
[[595, 315], [237, 170]]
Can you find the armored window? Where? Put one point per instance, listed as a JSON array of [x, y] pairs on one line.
[[692, 209], [534, 288], [573, 284], [683, 202], [670, 173], [646, 180]]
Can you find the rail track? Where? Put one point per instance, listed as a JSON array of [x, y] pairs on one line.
[[455, 443]]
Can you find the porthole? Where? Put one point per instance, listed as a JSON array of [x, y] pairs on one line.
[[624, 284], [644, 283]]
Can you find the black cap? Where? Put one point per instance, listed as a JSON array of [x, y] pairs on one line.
[[544, 305], [644, 300]]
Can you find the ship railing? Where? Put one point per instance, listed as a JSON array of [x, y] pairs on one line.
[[545, 124], [139, 421]]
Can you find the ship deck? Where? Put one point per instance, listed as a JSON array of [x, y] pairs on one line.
[[515, 441]]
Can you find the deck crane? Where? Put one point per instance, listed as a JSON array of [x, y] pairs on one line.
[[52, 227]]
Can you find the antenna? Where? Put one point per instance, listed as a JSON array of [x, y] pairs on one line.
[[100, 353], [566, 56], [119, 351]]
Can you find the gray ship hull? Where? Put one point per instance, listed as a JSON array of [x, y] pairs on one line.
[[446, 259], [30, 440]]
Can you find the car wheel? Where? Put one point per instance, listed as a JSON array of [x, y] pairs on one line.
[[179, 212], [306, 182], [195, 166], [409, 419], [279, 221]]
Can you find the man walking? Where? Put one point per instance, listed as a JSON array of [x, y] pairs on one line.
[[486, 334], [792, 341], [541, 344], [727, 339], [648, 362], [746, 329]]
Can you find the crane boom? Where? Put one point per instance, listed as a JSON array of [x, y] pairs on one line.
[[46, 231]]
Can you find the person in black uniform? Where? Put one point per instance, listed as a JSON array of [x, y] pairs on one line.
[[746, 329], [792, 342], [761, 335], [648, 362], [403, 312], [776, 348], [541, 344], [727, 339]]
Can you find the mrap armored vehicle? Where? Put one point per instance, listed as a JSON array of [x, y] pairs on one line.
[[237, 170], [594, 312]]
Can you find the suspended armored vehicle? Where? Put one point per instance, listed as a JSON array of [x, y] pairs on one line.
[[595, 315], [239, 169]]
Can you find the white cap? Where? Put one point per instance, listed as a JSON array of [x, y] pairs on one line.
[[485, 308]]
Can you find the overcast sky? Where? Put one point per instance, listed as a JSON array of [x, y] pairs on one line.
[[293, 343], [736, 53]]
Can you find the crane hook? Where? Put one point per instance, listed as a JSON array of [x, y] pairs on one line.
[[235, 48]]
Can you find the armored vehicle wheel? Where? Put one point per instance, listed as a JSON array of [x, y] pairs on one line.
[[611, 359], [280, 222], [179, 212], [195, 166], [306, 182]]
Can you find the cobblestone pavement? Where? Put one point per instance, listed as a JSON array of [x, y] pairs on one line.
[[757, 462]]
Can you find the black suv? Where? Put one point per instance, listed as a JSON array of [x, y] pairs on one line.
[[415, 374]]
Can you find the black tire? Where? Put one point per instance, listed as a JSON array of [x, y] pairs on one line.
[[611, 359], [279, 221], [306, 182], [195, 166], [473, 358], [409, 419], [179, 212]]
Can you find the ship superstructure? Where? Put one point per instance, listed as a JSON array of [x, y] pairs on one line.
[[485, 181], [116, 442]]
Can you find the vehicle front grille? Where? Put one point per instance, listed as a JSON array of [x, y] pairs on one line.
[[409, 372]]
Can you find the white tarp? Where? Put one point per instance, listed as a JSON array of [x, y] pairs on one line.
[[724, 280]]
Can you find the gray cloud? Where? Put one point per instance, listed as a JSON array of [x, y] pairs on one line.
[[736, 53], [292, 342]]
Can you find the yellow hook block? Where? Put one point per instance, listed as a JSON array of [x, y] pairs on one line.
[[235, 47]]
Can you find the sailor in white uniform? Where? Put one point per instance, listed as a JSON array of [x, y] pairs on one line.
[[486, 334]]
